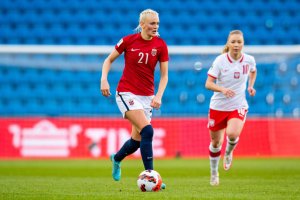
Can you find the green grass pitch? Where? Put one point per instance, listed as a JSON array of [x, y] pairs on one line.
[[249, 178]]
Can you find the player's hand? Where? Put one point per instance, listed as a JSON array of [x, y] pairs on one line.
[[251, 91], [228, 92], [104, 87], [156, 102]]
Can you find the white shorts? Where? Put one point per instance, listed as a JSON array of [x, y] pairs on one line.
[[127, 101]]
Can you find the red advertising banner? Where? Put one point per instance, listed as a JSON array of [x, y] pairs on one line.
[[99, 137]]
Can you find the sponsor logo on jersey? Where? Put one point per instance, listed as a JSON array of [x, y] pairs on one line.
[[236, 75], [153, 52], [132, 49], [226, 70]]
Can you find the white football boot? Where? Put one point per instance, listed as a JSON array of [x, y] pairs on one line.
[[227, 161], [214, 179]]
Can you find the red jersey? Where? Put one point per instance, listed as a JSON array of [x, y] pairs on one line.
[[141, 57]]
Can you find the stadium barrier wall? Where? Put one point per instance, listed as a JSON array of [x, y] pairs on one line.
[[174, 137]]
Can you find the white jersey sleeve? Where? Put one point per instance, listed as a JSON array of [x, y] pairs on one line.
[[252, 64], [214, 70]]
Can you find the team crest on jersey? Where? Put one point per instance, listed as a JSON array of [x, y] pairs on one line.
[[236, 75], [131, 102], [153, 52], [120, 42]]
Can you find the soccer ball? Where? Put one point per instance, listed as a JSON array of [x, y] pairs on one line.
[[149, 181]]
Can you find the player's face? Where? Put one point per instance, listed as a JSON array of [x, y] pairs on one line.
[[150, 26], [235, 43]]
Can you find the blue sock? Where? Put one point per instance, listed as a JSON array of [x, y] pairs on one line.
[[146, 146], [129, 147]]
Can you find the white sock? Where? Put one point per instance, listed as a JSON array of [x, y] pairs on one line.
[[214, 158], [230, 145]]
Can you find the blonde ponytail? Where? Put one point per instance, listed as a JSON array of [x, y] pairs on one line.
[[225, 49]]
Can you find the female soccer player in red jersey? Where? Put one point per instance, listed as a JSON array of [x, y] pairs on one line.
[[135, 92], [228, 78]]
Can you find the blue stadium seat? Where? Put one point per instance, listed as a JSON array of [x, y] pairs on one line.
[[65, 92], [183, 22], [265, 16]]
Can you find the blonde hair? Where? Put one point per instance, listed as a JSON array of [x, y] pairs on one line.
[[142, 18], [226, 48]]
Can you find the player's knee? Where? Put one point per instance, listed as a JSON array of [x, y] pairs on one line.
[[216, 143], [233, 138], [214, 149], [147, 132]]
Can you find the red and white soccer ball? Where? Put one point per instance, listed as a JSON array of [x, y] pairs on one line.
[[149, 181]]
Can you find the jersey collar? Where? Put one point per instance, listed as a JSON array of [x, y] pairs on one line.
[[231, 60], [141, 38]]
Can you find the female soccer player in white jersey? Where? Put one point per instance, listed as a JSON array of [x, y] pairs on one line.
[[135, 92], [228, 78]]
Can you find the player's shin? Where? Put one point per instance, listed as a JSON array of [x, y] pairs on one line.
[[231, 144], [146, 146], [214, 157], [129, 147]]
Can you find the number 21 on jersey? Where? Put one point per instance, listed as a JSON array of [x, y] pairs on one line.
[[143, 58]]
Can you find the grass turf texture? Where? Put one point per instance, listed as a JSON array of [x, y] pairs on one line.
[[268, 178]]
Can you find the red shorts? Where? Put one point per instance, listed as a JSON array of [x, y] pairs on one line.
[[217, 120]]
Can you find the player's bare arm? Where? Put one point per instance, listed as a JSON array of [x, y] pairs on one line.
[[211, 85], [104, 85], [252, 78], [156, 101]]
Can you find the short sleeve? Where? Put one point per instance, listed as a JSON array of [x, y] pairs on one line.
[[214, 70], [120, 46], [252, 65], [164, 53]]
